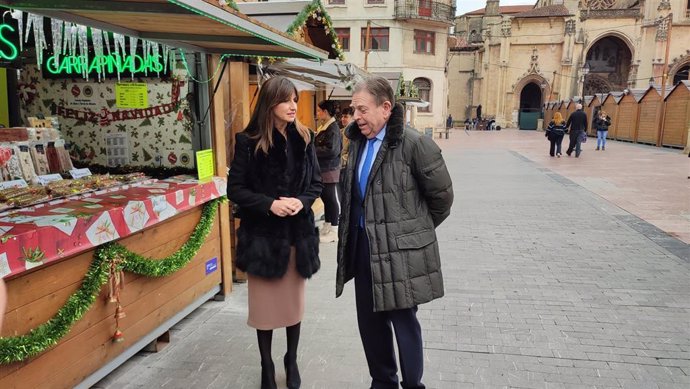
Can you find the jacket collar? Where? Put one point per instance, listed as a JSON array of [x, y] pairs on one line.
[[394, 127]]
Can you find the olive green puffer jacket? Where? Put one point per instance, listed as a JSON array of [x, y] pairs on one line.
[[409, 193]]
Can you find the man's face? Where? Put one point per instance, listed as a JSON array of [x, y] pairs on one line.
[[370, 117]]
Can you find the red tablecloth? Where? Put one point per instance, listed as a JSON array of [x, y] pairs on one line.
[[66, 228]]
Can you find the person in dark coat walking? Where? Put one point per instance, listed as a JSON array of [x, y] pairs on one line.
[[555, 133], [577, 127], [329, 145], [274, 179], [397, 190]]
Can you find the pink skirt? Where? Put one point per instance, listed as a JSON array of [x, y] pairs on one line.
[[276, 302]]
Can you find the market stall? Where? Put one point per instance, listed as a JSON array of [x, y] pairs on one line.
[[628, 115], [610, 104], [677, 118], [100, 265], [649, 115]]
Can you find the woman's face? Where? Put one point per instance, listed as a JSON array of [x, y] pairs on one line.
[[345, 120], [322, 114], [285, 112]]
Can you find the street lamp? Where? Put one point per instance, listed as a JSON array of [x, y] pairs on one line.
[[585, 72]]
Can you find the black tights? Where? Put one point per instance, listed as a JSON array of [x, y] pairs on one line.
[[266, 338], [331, 205]]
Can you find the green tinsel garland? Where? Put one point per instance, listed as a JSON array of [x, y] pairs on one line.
[[304, 15], [48, 334]]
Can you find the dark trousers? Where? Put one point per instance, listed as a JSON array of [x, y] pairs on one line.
[[556, 141], [377, 334], [331, 205], [575, 144]]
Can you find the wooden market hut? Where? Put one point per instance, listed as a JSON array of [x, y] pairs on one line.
[[649, 116], [677, 116], [592, 106], [561, 107], [91, 347], [548, 113], [308, 22], [628, 108], [609, 103], [569, 108]]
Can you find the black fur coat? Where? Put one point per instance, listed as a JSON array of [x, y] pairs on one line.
[[255, 180]]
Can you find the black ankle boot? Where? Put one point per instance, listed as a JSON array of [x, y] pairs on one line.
[[294, 381], [268, 376]]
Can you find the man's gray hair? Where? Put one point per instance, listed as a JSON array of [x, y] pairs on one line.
[[377, 86], [578, 106]]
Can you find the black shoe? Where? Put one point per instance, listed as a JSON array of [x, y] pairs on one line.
[[568, 153], [293, 380], [268, 376]]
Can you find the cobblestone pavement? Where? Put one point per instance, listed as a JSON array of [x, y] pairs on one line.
[[548, 285]]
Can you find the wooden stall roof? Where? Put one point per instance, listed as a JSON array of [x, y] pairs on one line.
[[616, 96], [196, 25], [294, 18], [657, 89], [637, 94], [597, 96], [683, 84]]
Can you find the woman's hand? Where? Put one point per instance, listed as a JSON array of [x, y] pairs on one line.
[[295, 204], [286, 206]]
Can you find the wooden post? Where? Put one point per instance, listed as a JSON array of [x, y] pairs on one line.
[[219, 139], [239, 101], [664, 77]]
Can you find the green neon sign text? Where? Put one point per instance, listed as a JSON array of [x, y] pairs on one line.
[[6, 45], [72, 64]]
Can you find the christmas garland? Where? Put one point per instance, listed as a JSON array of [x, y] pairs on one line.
[[316, 10], [48, 334]]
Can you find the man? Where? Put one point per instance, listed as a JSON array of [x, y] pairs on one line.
[[577, 125], [449, 122], [397, 190]]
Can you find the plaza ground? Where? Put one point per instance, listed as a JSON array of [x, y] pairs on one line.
[[559, 273]]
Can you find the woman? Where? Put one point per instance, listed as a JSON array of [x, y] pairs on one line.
[[602, 123], [345, 120], [555, 133], [274, 179], [329, 144]]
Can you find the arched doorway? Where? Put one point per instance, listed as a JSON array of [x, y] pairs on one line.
[[609, 59], [530, 106], [681, 74]]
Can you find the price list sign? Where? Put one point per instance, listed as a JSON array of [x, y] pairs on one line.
[[131, 95]]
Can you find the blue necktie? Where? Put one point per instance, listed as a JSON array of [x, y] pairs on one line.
[[366, 168]]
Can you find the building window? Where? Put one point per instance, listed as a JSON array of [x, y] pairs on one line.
[[343, 37], [376, 1], [424, 87], [336, 1], [378, 38], [424, 42]]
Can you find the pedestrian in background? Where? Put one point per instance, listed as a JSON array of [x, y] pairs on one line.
[[397, 190], [274, 179], [329, 145], [555, 133], [602, 123], [577, 128], [449, 122]]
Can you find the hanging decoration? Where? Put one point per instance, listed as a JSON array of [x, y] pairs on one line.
[[83, 43], [315, 10], [133, 43], [109, 261], [57, 27], [97, 38], [35, 23], [19, 17]]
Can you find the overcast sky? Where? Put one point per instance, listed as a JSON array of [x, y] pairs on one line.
[[464, 6]]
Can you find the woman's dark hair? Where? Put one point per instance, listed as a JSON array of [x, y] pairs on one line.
[[347, 111], [274, 91], [328, 106]]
